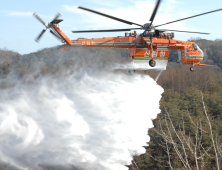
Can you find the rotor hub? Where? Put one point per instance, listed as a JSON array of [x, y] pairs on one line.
[[148, 27]]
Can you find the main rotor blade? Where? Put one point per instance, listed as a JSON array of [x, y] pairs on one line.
[[154, 11], [57, 16], [40, 35], [38, 18], [109, 16], [189, 17], [186, 31], [113, 30]]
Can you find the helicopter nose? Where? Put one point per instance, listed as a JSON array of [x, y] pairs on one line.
[[201, 53]]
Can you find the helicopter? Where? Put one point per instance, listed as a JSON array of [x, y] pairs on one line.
[[145, 49]]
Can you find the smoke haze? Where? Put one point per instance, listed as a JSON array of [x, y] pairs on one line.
[[86, 116]]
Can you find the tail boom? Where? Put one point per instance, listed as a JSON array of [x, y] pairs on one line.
[[63, 36]]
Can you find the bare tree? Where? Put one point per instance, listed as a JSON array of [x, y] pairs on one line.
[[211, 133], [188, 146]]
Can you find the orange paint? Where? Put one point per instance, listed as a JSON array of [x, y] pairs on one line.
[[143, 48]]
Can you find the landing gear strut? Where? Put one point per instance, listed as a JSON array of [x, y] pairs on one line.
[[152, 63], [192, 68]]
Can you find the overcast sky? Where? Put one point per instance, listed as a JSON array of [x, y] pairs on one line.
[[19, 28]]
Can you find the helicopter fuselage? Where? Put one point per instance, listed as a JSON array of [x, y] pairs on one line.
[[142, 49], [152, 45]]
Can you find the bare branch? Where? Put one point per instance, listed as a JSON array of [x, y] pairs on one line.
[[211, 132], [193, 122], [195, 147], [133, 160], [185, 162], [206, 152], [168, 153]]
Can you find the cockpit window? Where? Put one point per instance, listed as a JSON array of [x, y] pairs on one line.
[[200, 51], [195, 47]]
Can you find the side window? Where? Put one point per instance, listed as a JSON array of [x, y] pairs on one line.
[[195, 47], [179, 55], [183, 53], [187, 50]]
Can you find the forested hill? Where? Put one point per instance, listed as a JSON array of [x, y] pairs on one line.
[[52, 60], [7, 56], [186, 135], [212, 50]]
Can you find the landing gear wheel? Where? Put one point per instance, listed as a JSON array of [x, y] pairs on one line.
[[152, 63], [191, 68], [131, 71]]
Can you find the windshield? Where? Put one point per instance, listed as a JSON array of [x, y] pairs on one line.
[[195, 47]]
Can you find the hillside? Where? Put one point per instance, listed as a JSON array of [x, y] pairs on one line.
[[7, 56]]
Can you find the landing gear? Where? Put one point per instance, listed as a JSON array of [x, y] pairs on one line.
[[192, 68], [152, 63], [131, 71]]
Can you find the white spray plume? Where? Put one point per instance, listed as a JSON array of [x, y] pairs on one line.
[[84, 120]]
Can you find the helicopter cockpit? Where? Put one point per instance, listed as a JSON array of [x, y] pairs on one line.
[[187, 54], [197, 48], [190, 54]]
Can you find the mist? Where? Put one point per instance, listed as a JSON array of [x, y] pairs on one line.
[[85, 116]]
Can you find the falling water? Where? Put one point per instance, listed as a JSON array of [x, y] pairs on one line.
[[84, 119]]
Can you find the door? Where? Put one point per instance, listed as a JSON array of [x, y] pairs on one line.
[[179, 56]]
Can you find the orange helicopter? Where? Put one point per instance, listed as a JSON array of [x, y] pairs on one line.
[[145, 49]]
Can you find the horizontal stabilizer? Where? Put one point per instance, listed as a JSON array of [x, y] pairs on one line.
[[205, 65], [56, 21]]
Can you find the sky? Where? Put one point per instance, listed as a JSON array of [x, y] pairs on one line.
[[19, 28]]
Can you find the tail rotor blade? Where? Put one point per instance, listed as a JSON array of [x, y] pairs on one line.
[[38, 18], [40, 35], [59, 38], [57, 16]]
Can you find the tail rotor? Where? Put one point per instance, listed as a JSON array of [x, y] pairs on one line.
[[49, 26]]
